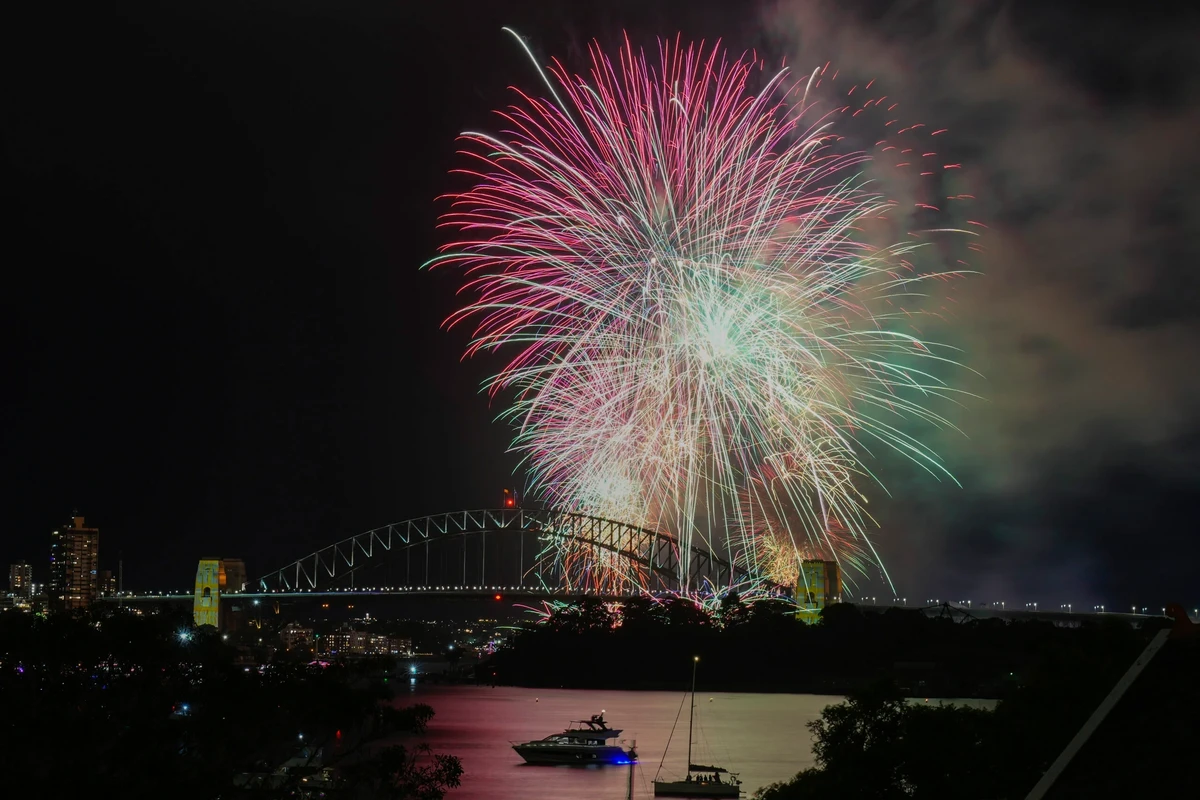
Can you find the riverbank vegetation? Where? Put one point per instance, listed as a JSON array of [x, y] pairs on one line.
[[764, 648], [114, 704], [877, 745]]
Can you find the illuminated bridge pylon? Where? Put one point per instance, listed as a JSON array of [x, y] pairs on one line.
[[512, 548]]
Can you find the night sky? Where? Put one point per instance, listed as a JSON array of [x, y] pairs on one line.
[[217, 340]]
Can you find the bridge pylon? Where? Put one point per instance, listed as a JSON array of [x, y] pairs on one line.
[[215, 577]]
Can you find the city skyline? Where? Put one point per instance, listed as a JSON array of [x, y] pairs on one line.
[[221, 342]]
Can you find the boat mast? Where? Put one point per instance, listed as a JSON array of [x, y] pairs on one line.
[[692, 713]]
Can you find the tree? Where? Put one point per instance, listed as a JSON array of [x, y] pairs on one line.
[[129, 700], [641, 614], [856, 743], [412, 719], [584, 615], [843, 616], [733, 612], [683, 612], [770, 617], [397, 773], [877, 746]]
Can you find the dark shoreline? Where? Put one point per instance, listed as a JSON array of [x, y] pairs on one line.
[[764, 649], [823, 691]]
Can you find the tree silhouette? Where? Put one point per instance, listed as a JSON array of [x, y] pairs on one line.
[[153, 713]]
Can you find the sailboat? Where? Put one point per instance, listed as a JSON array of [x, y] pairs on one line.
[[701, 780]]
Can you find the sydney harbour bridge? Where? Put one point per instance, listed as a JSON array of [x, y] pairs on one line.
[[510, 548], [511, 551]]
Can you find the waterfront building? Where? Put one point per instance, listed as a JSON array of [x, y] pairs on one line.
[[350, 642], [296, 635]]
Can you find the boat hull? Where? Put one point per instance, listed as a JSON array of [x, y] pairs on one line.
[[696, 789], [569, 754]]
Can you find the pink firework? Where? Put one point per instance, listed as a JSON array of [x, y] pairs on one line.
[[703, 277]]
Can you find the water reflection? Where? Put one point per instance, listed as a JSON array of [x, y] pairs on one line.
[[761, 736]]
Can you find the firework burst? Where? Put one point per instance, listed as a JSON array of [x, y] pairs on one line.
[[702, 287]]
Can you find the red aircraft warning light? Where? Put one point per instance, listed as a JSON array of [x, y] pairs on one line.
[[510, 499]]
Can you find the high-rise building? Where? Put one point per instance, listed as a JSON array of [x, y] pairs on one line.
[[108, 583], [74, 554], [20, 580]]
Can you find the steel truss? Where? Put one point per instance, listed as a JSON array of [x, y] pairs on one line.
[[646, 552]]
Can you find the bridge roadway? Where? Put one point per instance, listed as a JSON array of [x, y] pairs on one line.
[[506, 593], [480, 592], [1061, 618]]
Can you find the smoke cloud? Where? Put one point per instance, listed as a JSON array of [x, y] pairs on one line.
[[1076, 128]]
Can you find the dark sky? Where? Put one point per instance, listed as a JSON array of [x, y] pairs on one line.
[[217, 340]]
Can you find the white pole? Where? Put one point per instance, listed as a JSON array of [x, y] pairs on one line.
[[1089, 727]]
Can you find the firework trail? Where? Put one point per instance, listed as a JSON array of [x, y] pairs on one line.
[[702, 283]]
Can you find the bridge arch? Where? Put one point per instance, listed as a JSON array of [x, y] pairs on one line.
[[647, 559]]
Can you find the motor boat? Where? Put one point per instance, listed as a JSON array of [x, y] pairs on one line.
[[583, 742]]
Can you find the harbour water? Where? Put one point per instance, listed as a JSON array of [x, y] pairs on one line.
[[764, 737]]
